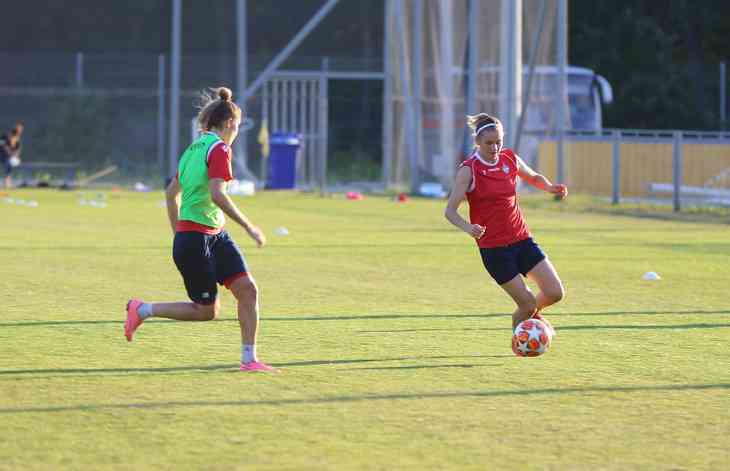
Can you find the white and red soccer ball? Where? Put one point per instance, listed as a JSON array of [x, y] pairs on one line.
[[531, 338]]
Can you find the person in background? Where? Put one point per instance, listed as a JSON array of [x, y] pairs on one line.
[[10, 147]]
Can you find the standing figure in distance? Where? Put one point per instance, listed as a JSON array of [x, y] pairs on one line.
[[10, 147], [488, 181], [203, 251]]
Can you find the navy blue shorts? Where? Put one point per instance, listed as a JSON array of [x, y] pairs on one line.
[[6, 166], [204, 260], [504, 263]]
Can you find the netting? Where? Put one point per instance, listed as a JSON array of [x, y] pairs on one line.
[[428, 78]]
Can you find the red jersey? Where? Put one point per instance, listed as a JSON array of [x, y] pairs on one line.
[[492, 198]]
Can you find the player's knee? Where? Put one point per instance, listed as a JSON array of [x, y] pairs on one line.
[[556, 294], [245, 290]]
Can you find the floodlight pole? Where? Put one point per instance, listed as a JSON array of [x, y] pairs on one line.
[[562, 95], [241, 149], [446, 13], [408, 108], [510, 80], [161, 113], [323, 106], [418, 86], [387, 96], [175, 85], [471, 77]]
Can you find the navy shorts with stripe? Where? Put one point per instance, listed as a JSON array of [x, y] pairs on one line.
[[204, 260], [504, 263]]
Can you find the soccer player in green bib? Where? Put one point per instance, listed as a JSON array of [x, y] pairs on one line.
[[203, 251]]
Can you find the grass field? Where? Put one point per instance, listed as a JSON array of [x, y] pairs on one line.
[[392, 340]]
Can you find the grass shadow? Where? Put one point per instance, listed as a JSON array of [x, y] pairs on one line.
[[558, 328], [373, 398], [64, 372], [417, 367], [354, 317]]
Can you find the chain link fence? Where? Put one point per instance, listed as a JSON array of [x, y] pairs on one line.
[[86, 112]]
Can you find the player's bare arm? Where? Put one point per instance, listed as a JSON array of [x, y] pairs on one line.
[[219, 195], [458, 194], [172, 198], [540, 181]]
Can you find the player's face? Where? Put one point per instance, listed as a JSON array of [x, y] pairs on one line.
[[231, 130], [490, 143]]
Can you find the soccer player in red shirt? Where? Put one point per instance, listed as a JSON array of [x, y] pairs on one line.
[[488, 181]]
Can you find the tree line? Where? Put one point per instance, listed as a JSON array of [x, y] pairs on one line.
[[662, 58]]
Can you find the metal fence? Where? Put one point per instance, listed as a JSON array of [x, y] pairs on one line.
[[677, 167], [86, 111]]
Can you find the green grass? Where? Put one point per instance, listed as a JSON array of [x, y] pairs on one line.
[[690, 212], [392, 340]]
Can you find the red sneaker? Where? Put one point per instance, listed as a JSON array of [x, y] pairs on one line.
[[133, 320], [258, 366]]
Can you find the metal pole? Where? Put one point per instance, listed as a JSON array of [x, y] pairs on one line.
[[324, 124], [79, 70], [417, 101], [313, 131], [408, 98], [241, 147], [387, 96], [175, 86], [562, 19], [301, 129], [677, 169], [285, 106], [161, 113], [530, 75], [275, 126], [471, 87], [293, 44], [447, 100], [511, 61], [723, 95], [616, 167]]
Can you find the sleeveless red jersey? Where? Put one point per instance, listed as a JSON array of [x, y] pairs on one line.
[[492, 199]]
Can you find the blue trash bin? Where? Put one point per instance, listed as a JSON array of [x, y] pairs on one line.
[[282, 165]]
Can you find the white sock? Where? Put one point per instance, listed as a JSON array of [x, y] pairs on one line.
[[248, 353], [145, 310]]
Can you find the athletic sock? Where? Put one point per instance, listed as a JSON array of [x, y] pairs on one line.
[[248, 353], [145, 310]]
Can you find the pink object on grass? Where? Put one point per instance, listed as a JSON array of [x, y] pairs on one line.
[[258, 366], [133, 320]]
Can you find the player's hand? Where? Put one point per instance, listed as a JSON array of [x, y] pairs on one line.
[[476, 231], [560, 191], [257, 235]]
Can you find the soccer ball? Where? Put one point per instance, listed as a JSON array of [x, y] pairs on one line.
[[531, 338]]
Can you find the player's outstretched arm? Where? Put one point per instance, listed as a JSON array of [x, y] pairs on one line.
[[172, 198], [458, 194], [218, 194], [540, 181]]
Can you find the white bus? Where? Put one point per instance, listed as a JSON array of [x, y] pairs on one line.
[[587, 93]]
